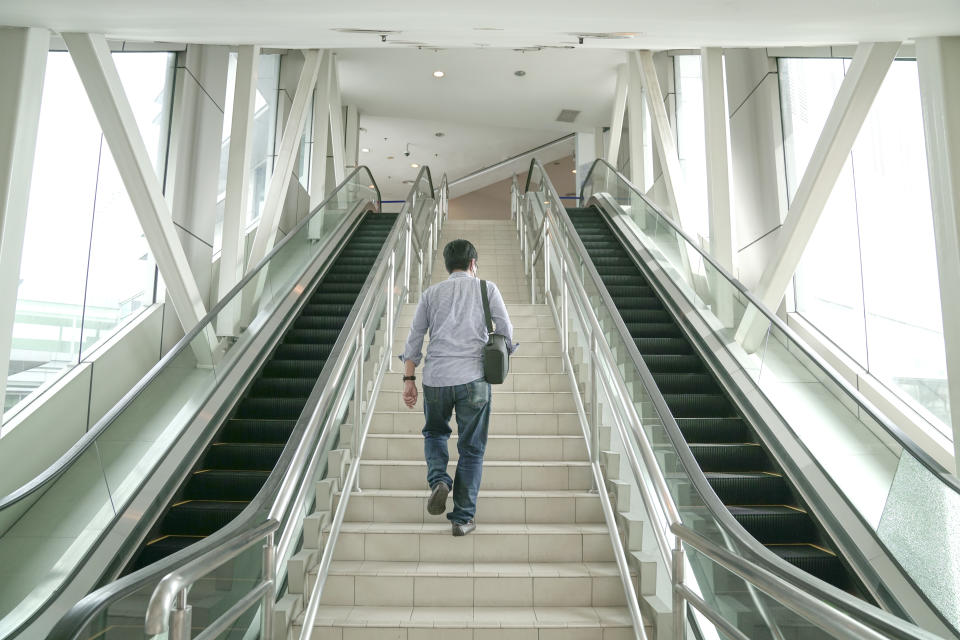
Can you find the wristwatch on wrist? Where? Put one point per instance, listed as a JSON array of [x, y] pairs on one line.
[[405, 378]]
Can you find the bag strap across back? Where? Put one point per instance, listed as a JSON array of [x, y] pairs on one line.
[[486, 305]]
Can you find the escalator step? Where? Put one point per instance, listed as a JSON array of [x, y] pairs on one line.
[[749, 488], [327, 309], [654, 330], [332, 298], [624, 290], [708, 430], [248, 456], [272, 431], [663, 363], [311, 336], [219, 484], [282, 387], [159, 549], [320, 322], [275, 408], [775, 524], [662, 346], [645, 315], [609, 270], [731, 457], [699, 405], [814, 560], [303, 351], [685, 383], [293, 368], [338, 287], [632, 303], [200, 517]]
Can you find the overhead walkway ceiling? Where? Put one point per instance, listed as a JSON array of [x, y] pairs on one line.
[[680, 23]]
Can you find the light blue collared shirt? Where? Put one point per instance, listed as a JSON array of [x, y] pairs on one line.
[[453, 312]]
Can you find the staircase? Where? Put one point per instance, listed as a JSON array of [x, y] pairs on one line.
[[539, 565]]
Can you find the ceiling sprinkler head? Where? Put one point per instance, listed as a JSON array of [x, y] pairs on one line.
[[579, 39], [520, 73], [383, 38]]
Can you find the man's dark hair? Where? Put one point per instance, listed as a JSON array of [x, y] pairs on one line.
[[458, 254]]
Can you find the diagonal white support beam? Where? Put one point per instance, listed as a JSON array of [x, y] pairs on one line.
[[616, 119], [266, 234], [938, 60], [97, 71], [24, 55], [321, 133], [717, 135], [644, 73], [850, 108], [238, 182], [336, 125]]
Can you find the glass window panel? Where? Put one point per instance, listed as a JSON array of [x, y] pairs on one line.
[[901, 286], [868, 279], [690, 141], [83, 243], [263, 138]]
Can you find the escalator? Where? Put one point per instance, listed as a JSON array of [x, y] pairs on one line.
[[739, 469], [247, 446]]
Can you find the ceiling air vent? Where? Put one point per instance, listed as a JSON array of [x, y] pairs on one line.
[[568, 115], [370, 31]]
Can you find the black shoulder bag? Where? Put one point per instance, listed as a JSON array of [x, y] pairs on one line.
[[496, 357]]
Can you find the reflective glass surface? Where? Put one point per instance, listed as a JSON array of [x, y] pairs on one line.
[[86, 268]]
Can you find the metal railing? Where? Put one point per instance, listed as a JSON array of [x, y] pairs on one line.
[[774, 587], [275, 520]]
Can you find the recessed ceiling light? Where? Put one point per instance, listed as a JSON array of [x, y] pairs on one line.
[[438, 74], [520, 73], [365, 150], [439, 134], [414, 165], [389, 157], [573, 171]]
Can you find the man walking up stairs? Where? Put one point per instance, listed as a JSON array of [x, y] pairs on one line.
[[540, 566]]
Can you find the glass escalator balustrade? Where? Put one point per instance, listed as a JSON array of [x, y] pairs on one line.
[[738, 468], [246, 449]]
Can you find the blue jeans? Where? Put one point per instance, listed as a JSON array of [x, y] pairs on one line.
[[472, 402]]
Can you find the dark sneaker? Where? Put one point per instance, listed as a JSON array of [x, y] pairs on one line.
[[463, 528], [437, 502]]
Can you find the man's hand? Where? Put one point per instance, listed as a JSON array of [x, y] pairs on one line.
[[410, 393]]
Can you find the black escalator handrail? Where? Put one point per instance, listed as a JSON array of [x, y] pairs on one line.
[[60, 466], [854, 607], [895, 432], [263, 509]]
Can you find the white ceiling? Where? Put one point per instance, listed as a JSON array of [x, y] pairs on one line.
[[486, 113], [656, 25]]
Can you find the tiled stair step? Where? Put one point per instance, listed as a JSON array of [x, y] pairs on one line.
[[423, 584], [410, 421], [503, 475], [472, 623], [502, 507], [545, 401], [499, 543], [499, 447]]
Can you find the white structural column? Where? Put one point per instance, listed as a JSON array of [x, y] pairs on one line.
[[24, 55], [850, 108], [336, 124], [97, 71], [639, 171], [321, 133], [266, 234], [644, 73], [584, 154], [616, 119], [236, 201], [716, 133], [352, 142], [939, 60]]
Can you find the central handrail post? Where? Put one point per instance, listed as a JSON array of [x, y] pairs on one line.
[[594, 403], [391, 284], [679, 601], [358, 406], [564, 314], [181, 617], [546, 259], [269, 569], [407, 257]]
